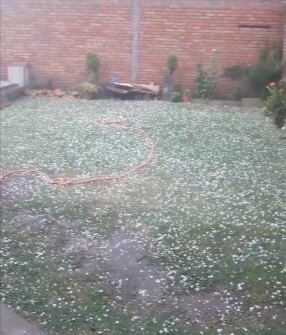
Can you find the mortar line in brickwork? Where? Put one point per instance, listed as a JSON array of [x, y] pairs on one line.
[[135, 37]]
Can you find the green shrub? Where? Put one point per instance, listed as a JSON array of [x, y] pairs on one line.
[[172, 63], [92, 67], [205, 84], [275, 104], [178, 94], [276, 98], [268, 69]]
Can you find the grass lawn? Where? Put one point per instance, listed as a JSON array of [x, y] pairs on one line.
[[193, 244]]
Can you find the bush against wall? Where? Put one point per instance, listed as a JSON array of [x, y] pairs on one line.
[[92, 68], [90, 87], [275, 103], [205, 84], [269, 68]]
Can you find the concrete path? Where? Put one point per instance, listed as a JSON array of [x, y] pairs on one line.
[[13, 324]]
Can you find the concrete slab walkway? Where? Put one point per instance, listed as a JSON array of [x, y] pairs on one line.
[[13, 324]]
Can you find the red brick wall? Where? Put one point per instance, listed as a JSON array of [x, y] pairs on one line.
[[54, 36], [194, 30]]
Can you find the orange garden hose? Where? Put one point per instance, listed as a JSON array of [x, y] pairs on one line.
[[122, 124]]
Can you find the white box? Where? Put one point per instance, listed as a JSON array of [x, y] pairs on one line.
[[18, 74]]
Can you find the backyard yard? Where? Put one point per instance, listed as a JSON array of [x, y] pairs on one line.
[[193, 243]]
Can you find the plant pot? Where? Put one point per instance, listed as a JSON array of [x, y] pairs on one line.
[[186, 98]]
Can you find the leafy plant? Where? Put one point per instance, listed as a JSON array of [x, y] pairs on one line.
[[268, 69], [275, 104], [92, 67], [172, 63], [178, 93], [88, 88], [276, 98], [205, 84]]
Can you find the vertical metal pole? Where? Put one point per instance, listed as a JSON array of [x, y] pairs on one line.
[[135, 37]]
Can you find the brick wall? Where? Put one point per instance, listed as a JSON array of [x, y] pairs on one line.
[[194, 31], [54, 36]]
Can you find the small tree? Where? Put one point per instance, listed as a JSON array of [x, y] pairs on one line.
[[168, 84], [92, 67], [172, 63], [205, 84]]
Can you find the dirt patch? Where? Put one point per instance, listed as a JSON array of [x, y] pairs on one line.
[[121, 263], [134, 278]]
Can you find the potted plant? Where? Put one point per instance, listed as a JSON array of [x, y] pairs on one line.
[[186, 96], [88, 90], [177, 93]]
